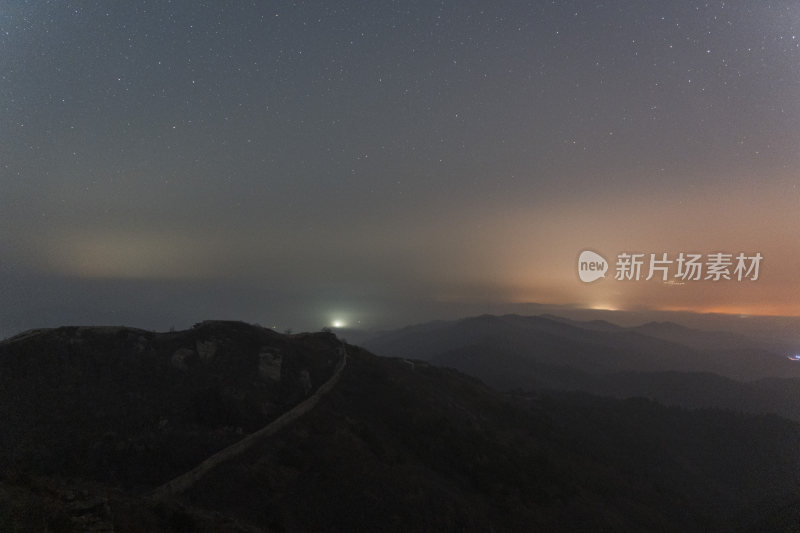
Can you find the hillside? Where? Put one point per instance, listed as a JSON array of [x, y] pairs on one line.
[[133, 407], [512, 345], [393, 445], [402, 448]]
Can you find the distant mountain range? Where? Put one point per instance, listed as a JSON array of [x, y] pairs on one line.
[[659, 360], [597, 346], [94, 420]]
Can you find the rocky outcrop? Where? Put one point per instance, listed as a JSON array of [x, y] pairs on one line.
[[269, 364], [180, 359], [206, 349]]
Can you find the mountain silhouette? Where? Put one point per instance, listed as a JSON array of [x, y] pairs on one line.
[[95, 421]]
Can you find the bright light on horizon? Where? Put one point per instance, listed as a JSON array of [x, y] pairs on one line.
[[338, 323], [603, 307]]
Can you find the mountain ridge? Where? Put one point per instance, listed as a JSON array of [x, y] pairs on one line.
[[396, 445]]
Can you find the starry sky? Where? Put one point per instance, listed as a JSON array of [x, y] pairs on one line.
[[381, 162]]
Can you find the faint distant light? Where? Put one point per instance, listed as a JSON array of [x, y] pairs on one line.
[[603, 307], [338, 323]]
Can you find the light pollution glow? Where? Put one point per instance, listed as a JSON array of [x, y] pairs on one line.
[[287, 162], [521, 255]]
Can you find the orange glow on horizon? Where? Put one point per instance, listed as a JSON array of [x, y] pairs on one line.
[[761, 310]]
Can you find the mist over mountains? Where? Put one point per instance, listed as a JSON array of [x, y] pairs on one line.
[[659, 360], [596, 346]]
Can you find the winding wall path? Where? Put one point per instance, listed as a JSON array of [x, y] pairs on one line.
[[185, 481]]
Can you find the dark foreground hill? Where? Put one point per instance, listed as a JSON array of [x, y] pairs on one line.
[[394, 445], [132, 407]]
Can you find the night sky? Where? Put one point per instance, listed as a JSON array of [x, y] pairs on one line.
[[383, 162]]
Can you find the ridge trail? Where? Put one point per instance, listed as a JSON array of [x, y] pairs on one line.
[[185, 481]]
